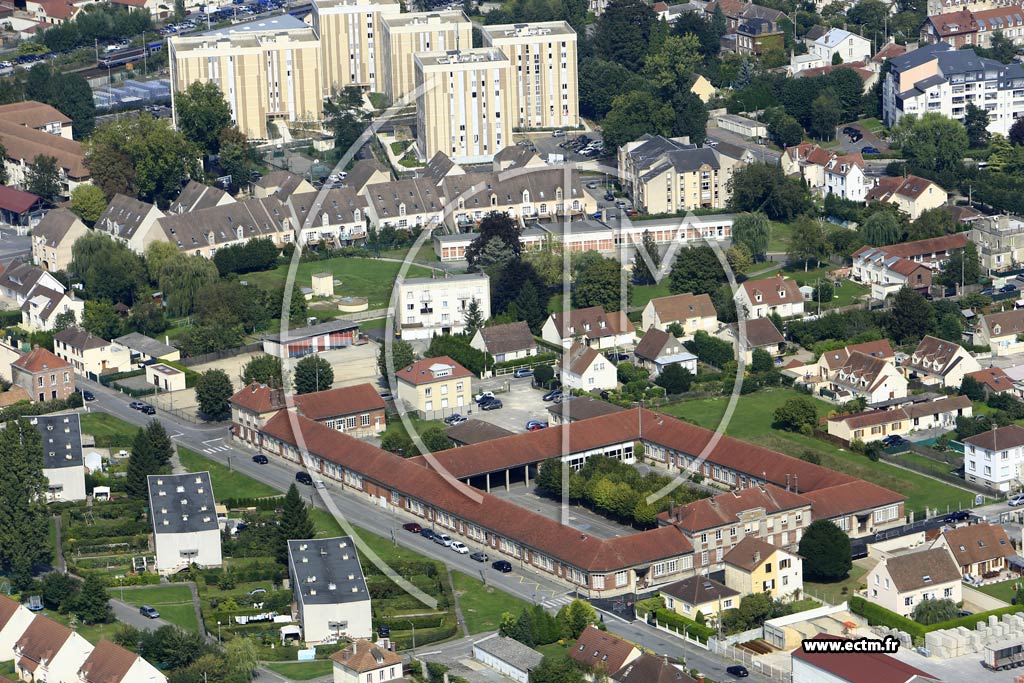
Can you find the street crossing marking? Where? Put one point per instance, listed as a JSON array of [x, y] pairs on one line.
[[557, 601], [216, 449]]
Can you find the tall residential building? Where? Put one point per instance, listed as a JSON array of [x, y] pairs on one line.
[[465, 104], [350, 45], [404, 35], [267, 69], [544, 69]]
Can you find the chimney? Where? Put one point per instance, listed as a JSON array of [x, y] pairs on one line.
[[787, 482], [757, 557], [796, 486]]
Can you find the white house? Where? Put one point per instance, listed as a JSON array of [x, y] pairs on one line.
[[939, 362], [761, 298], [50, 651], [14, 619], [902, 582], [584, 368], [330, 590], [131, 222], [592, 326], [432, 306], [827, 172], [849, 46], [1002, 332], [63, 465], [867, 377], [90, 356], [993, 458], [363, 661], [110, 663], [657, 350], [512, 341], [184, 517], [693, 312], [507, 656]]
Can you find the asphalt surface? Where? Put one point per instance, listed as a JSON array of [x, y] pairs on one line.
[[522, 582]]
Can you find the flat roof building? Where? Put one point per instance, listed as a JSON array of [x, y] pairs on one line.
[[350, 46], [330, 590], [184, 515], [404, 35]]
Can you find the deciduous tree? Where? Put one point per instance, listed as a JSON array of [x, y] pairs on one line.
[[313, 373], [213, 389], [42, 177], [265, 369], [600, 284], [202, 114], [796, 415], [753, 231], [88, 203], [911, 316], [696, 270]]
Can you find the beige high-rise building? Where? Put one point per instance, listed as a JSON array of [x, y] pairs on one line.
[[350, 41], [544, 70], [267, 69], [465, 104], [404, 35]]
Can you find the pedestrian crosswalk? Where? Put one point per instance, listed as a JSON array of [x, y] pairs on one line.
[[216, 449], [557, 601]]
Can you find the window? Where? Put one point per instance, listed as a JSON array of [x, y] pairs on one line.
[[908, 601], [364, 419], [599, 582], [947, 593], [621, 579]]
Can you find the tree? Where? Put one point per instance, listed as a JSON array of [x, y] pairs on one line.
[[972, 389], [634, 114], [313, 373], [675, 379], [159, 443], [58, 591], [474, 318], [24, 519], [63, 321], [600, 82], [976, 123], [148, 318], [739, 258], [108, 270], [932, 223], [295, 522], [644, 273], [691, 116], [531, 310], [934, 611], [600, 284], [141, 463], [504, 231], [933, 145], [761, 361], [575, 617], [238, 157], [242, 656], [911, 316], [962, 267], [549, 477], [344, 117], [542, 374], [3, 167], [1017, 132], [186, 279], [93, 603], [796, 415], [696, 270], [753, 231], [670, 68], [825, 116], [202, 114], [786, 131], [824, 292], [764, 187], [402, 355], [42, 177], [808, 241], [213, 389], [265, 369], [102, 320], [435, 439], [880, 229], [826, 552], [88, 203], [556, 669], [624, 33]]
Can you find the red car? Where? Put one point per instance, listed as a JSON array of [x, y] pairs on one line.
[[413, 527]]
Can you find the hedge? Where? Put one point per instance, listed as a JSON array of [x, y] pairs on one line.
[[678, 622], [879, 616], [268, 503], [425, 621]]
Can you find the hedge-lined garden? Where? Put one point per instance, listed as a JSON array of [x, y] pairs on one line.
[[879, 616]]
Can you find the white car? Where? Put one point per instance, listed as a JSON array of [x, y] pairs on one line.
[[459, 547], [1016, 500], [483, 395], [443, 539]]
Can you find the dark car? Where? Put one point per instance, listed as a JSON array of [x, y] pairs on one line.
[[958, 516], [737, 671], [856, 137], [413, 527], [895, 441], [428, 534], [988, 291], [304, 478], [88, 395], [1007, 288], [965, 613], [491, 405], [870, 150], [383, 631], [479, 556], [849, 130], [260, 459], [523, 372], [503, 566], [551, 395], [608, 196], [149, 612], [147, 409], [616, 357], [452, 419]]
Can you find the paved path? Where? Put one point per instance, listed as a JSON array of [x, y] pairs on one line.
[[458, 607], [60, 564]]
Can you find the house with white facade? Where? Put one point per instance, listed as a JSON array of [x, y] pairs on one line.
[[14, 619], [940, 363], [693, 312], [432, 306], [63, 465], [331, 595], [591, 326], [1001, 332], [50, 651], [184, 516], [761, 298], [586, 369], [867, 377], [909, 264], [827, 172], [993, 458], [364, 661], [335, 217], [91, 356], [901, 582], [511, 341], [815, 375], [849, 47], [132, 222], [110, 663], [657, 350]]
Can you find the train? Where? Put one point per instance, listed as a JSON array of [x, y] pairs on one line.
[[128, 55], [1005, 655]]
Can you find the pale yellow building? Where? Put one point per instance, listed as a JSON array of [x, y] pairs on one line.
[[404, 35], [435, 387], [351, 49], [267, 69], [755, 566], [542, 57], [464, 107]]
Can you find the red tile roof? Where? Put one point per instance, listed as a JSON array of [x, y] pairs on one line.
[[773, 291], [850, 497], [911, 187], [599, 649], [363, 655], [16, 201], [257, 398], [39, 359], [978, 543], [592, 323], [862, 667], [43, 639], [708, 513], [421, 371], [995, 379], [321, 405]]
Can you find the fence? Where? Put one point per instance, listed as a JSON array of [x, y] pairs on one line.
[[941, 476], [223, 353], [748, 659], [679, 634], [498, 372]]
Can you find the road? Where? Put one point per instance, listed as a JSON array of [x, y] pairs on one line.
[[214, 443]]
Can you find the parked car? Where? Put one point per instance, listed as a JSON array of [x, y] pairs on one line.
[[479, 556], [479, 398], [737, 671], [1007, 288], [136, 405], [538, 426], [503, 566], [459, 547], [869, 150], [856, 137], [849, 130], [491, 405], [609, 197], [149, 612], [452, 419], [147, 409], [523, 372], [558, 134], [383, 631], [535, 423], [386, 396], [551, 395], [260, 459], [443, 539], [88, 395], [304, 478], [965, 613], [428, 534], [616, 357], [413, 527], [988, 291], [894, 440], [593, 186], [958, 516], [460, 420], [1016, 500]]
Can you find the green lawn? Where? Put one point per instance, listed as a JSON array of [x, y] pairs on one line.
[[644, 293], [174, 603], [109, 431], [781, 233], [302, 671], [482, 606], [872, 125], [833, 592], [1005, 590], [226, 483], [752, 422], [361, 277], [553, 650]]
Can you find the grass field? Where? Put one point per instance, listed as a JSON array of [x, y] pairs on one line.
[[644, 293], [109, 431], [752, 422], [833, 592], [174, 603], [302, 671], [780, 235], [1004, 590], [363, 277], [482, 606], [226, 483]]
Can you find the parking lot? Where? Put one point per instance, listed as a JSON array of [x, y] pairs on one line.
[[520, 403], [865, 139], [579, 517]]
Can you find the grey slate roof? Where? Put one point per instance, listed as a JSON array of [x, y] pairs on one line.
[[919, 56], [583, 408], [326, 571], [62, 440], [54, 226], [78, 338], [476, 431], [360, 173], [507, 338], [182, 503], [196, 196], [255, 217], [147, 345], [340, 205], [123, 216], [655, 146], [511, 652]]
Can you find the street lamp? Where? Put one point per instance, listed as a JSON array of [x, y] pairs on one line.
[[218, 632], [413, 637]]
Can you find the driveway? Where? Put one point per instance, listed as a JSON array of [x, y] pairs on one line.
[[869, 139], [520, 403]]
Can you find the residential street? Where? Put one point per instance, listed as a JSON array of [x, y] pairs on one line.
[[213, 442]]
